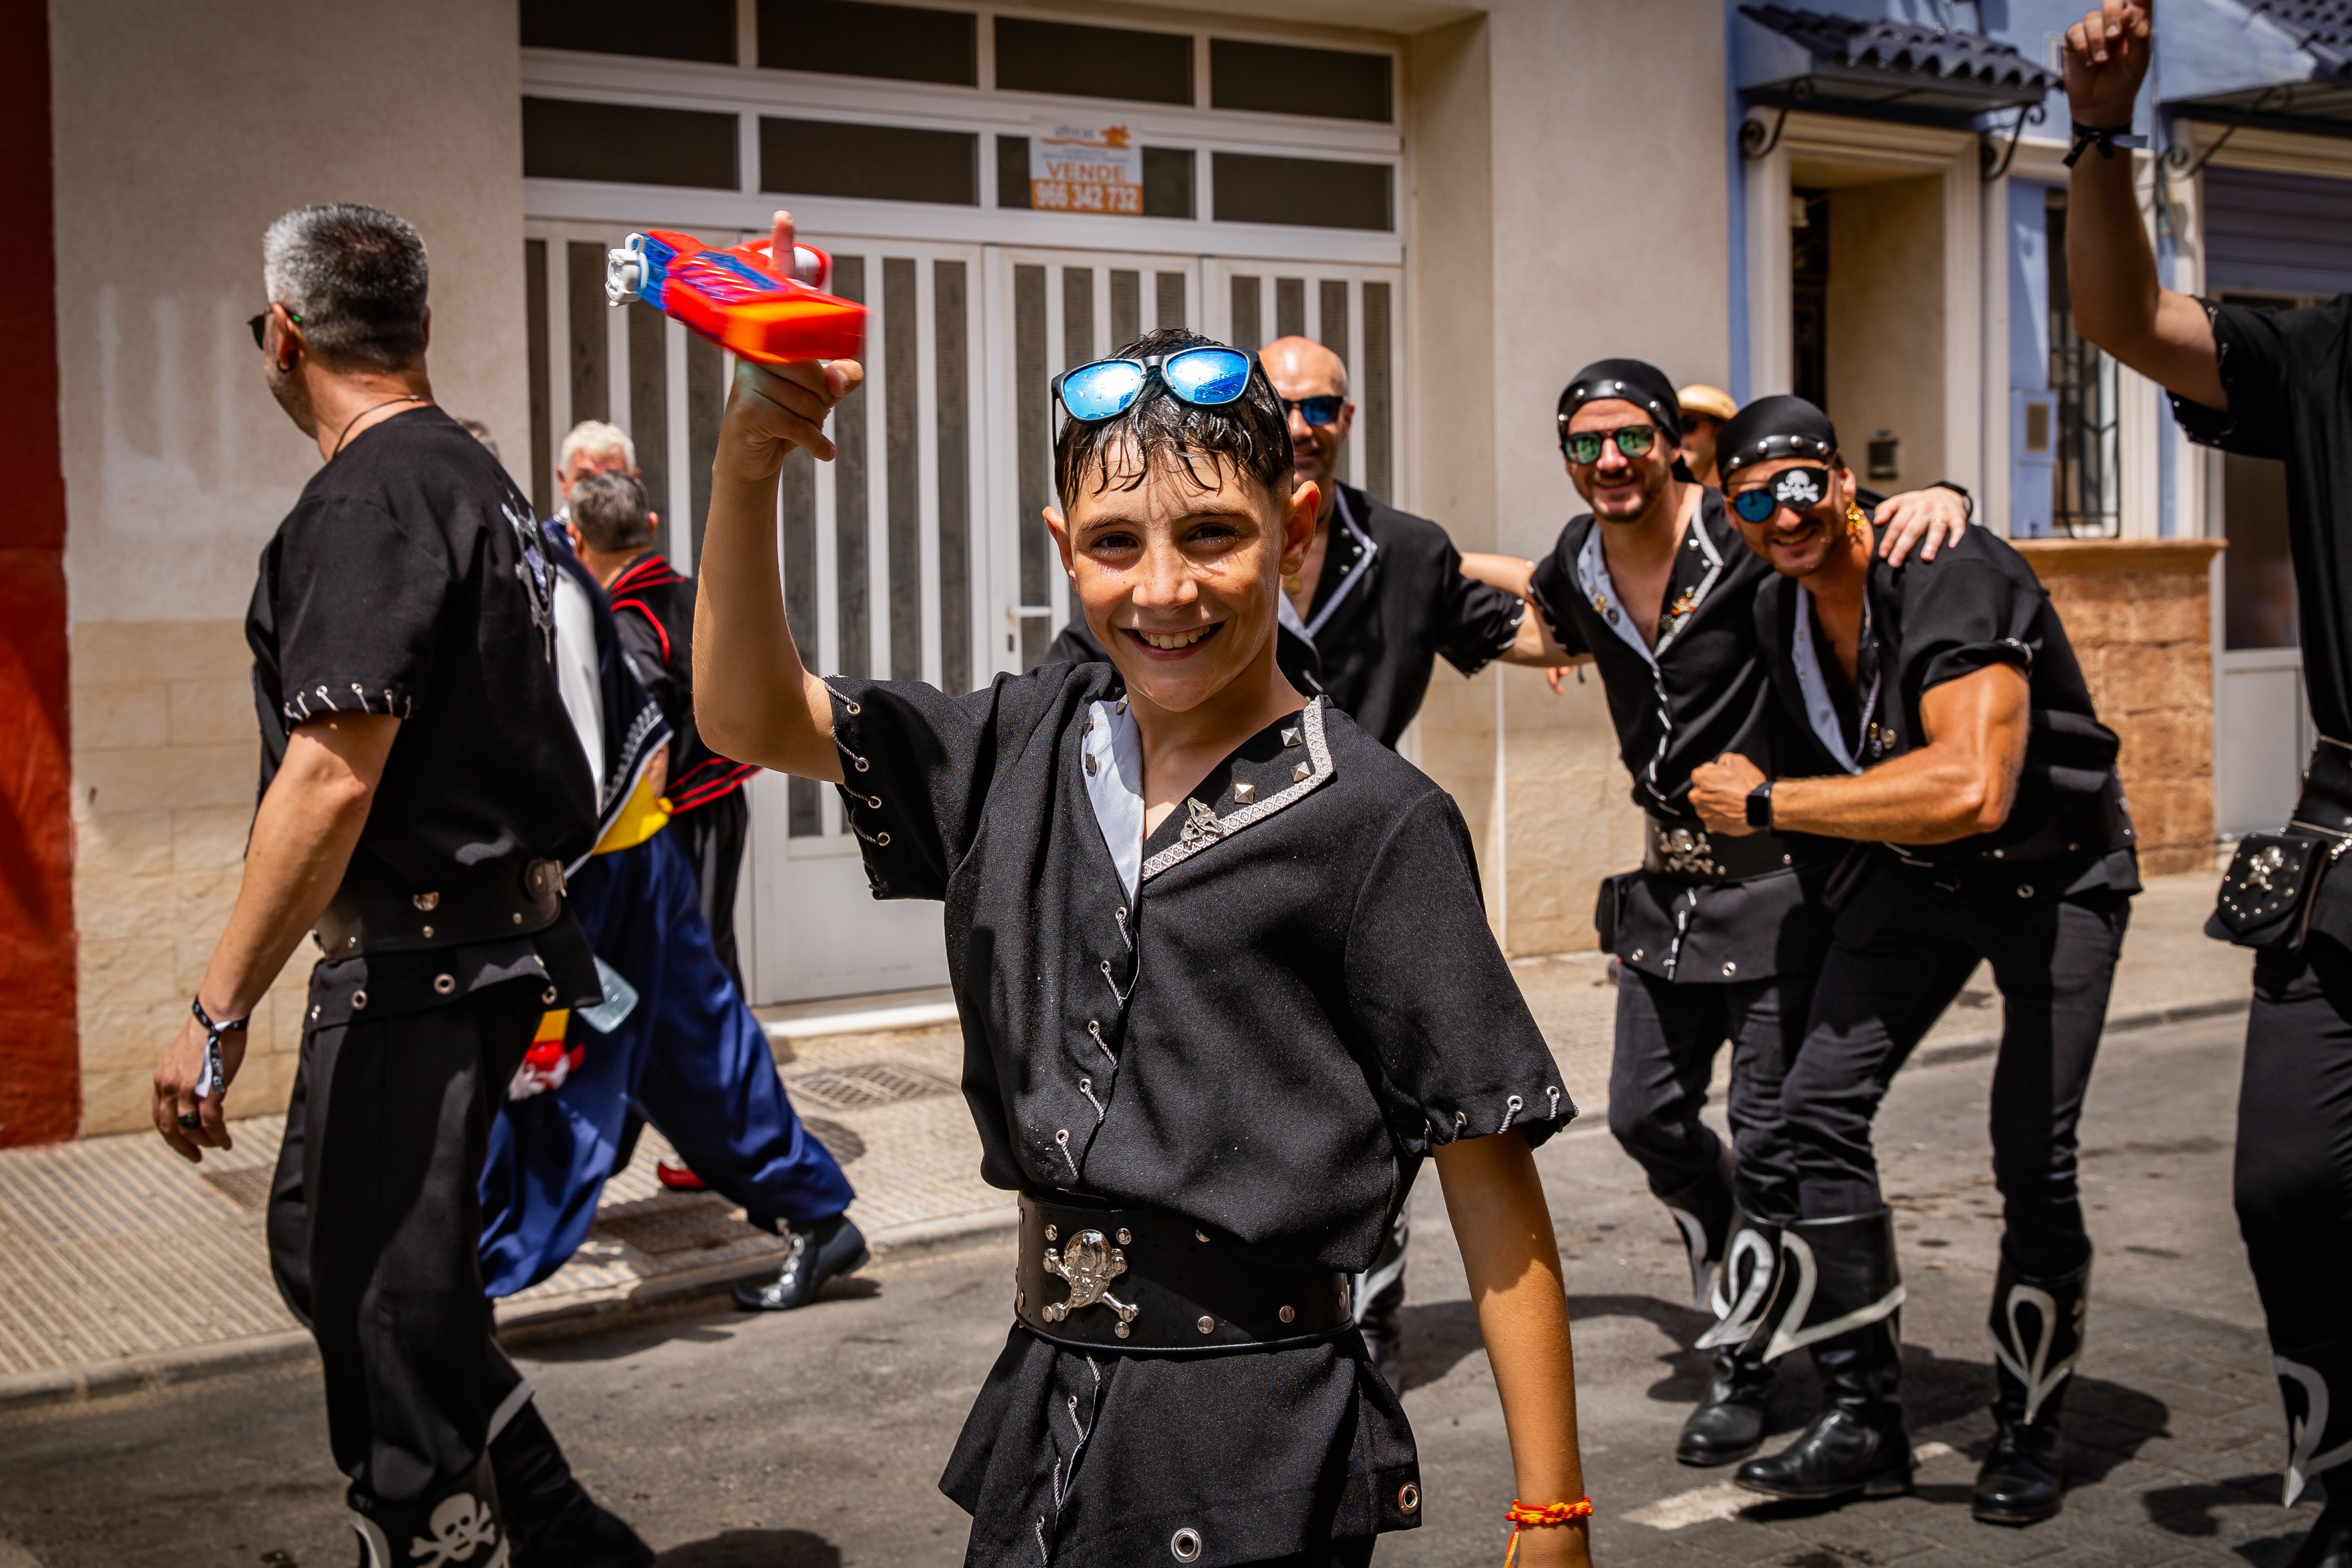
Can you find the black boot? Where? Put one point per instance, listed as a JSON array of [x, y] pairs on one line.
[[2036, 1328], [2329, 1544], [553, 1519], [2318, 1383], [1729, 1421], [462, 1527], [1704, 1212], [1837, 1294], [819, 1251]]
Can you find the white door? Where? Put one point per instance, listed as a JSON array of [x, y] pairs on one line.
[[1353, 311]]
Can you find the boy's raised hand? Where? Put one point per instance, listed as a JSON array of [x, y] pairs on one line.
[[2106, 60], [773, 408]]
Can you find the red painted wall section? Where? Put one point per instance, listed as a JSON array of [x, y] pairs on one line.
[[40, 1066]]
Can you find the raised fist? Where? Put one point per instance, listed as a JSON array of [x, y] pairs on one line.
[[2106, 60]]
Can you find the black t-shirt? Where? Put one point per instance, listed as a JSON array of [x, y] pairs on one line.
[[1976, 604], [1391, 599], [410, 578], [1262, 1018], [2289, 377], [1701, 691]]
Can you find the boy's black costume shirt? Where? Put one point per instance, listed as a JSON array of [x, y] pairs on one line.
[[1260, 1019]]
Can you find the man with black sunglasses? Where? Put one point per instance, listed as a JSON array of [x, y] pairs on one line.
[[1717, 939], [421, 789], [1934, 712], [1381, 594]]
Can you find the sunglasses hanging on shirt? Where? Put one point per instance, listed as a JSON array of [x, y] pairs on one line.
[[1207, 377], [1799, 490]]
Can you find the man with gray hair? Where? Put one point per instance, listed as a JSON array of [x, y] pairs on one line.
[[421, 791]]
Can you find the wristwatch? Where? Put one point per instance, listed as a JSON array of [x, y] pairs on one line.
[[1759, 807]]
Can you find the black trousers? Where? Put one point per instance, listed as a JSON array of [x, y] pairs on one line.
[[375, 1220], [1667, 1036], [714, 841], [1898, 956], [2293, 1185]]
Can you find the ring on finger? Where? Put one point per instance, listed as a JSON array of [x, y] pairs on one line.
[[191, 1120]]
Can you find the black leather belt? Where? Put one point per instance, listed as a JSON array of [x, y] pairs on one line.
[[1693, 855], [1145, 1280], [2326, 802], [517, 898]]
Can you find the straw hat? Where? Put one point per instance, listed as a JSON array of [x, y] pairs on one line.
[[1712, 400]]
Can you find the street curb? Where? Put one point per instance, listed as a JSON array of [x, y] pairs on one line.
[[1972, 1047], [157, 1369], [93, 1381], [141, 1374]]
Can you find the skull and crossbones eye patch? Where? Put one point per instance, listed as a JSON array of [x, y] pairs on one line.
[[1799, 490]]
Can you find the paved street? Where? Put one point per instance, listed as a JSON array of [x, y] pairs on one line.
[[816, 1439]]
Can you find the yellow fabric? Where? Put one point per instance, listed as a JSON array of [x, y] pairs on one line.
[[645, 815], [552, 1026]]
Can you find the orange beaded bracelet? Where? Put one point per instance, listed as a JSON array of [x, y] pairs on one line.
[[1535, 1516]]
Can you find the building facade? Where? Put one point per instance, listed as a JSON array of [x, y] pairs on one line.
[[1465, 202]]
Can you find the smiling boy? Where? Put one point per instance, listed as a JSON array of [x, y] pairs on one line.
[[1225, 980]]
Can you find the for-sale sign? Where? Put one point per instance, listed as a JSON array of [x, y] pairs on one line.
[[1086, 169]]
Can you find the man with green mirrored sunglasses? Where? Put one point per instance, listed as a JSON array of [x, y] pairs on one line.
[[1717, 939]]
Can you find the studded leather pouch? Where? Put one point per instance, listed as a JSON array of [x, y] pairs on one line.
[[2271, 887]]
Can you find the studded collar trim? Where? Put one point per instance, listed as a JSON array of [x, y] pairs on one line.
[[1205, 826]]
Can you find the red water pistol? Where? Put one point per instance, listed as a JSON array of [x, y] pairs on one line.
[[736, 297]]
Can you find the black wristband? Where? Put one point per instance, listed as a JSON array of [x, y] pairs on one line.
[[1962, 491], [1759, 807], [2105, 138]]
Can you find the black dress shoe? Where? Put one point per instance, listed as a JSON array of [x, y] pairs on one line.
[[1840, 1454], [818, 1253], [2023, 1481], [1857, 1443], [1729, 1423]]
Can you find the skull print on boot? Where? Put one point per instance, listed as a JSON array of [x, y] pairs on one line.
[[460, 1528], [818, 1252], [1838, 1294], [2318, 1383], [1729, 1421], [2036, 1330]]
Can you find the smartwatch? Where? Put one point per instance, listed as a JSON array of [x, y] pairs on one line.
[[1759, 807]]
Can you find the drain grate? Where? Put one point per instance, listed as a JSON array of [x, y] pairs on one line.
[[248, 1189], [681, 1221], [869, 1084]]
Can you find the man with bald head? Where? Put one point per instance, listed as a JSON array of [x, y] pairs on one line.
[[1381, 592]]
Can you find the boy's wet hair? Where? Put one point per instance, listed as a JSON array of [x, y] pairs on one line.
[[610, 511], [1250, 434]]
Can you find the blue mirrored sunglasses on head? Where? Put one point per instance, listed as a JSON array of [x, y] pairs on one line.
[[1799, 490], [1205, 377]]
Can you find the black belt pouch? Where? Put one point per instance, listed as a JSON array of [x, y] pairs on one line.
[[2272, 887]]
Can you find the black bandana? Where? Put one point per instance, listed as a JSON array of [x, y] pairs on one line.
[[1776, 426], [1644, 385]]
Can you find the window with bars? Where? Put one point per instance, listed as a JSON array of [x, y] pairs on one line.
[[2088, 503]]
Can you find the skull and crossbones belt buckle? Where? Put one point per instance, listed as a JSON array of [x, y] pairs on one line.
[[1151, 1282]]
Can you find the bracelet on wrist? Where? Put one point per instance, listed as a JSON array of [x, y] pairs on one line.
[[214, 1079], [2105, 138], [1539, 1516]]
